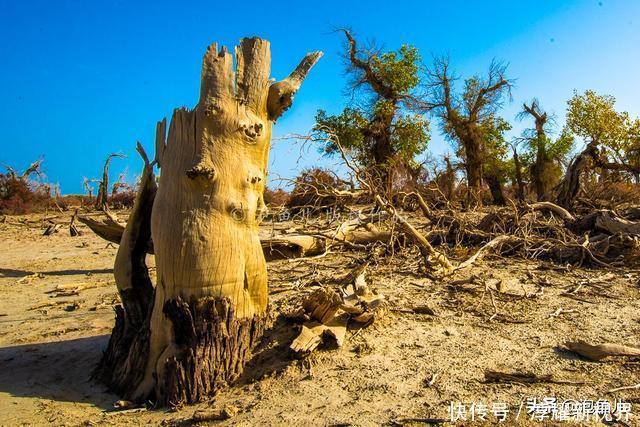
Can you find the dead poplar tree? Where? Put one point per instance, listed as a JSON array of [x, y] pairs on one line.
[[103, 186], [193, 333]]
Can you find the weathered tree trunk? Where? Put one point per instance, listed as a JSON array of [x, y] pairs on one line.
[[518, 174], [473, 165], [542, 172], [210, 300], [570, 185], [495, 186]]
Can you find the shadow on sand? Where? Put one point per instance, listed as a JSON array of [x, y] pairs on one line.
[[272, 355], [61, 370], [56, 370]]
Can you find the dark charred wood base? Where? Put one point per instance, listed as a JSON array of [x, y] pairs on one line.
[[213, 347], [124, 361]]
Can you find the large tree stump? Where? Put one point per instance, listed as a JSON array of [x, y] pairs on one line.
[[193, 333]]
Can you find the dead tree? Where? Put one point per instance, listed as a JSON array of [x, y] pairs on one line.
[[119, 184], [103, 186], [86, 183], [570, 185], [193, 333], [34, 168]]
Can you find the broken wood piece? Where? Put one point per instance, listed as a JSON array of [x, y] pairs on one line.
[[292, 246], [337, 328], [482, 252], [612, 224], [322, 304], [73, 230], [53, 228], [111, 232], [630, 387], [423, 309], [558, 210], [313, 334], [205, 415], [364, 305], [601, 351], [308, 340]]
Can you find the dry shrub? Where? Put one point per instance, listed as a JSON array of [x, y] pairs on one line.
[[123, 199], [312, 190], [277, 197], [610, 194], [74, 201], [18, 196]]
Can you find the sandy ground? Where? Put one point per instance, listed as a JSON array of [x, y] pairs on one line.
[[406, 366]]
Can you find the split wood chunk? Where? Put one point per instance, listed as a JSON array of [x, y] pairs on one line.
[[314, 333], [364, 305], [601, 351], [308, 340], [73, 230], [330, 313], [322, 305], [53, 228], [206, 415]]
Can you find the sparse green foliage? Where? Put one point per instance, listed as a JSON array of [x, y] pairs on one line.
[[380, 130], [398, 70], [468, 117], [594, 118], [495, 148]]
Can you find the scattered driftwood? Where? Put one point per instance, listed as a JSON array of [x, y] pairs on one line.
[[523, 378], [601, 351]]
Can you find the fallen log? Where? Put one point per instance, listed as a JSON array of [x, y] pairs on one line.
[[292, 246], [612, 224]]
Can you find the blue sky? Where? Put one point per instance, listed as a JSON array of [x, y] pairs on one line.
[[82, 79]]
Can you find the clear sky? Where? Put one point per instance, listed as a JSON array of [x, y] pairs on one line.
[[82, 79]]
